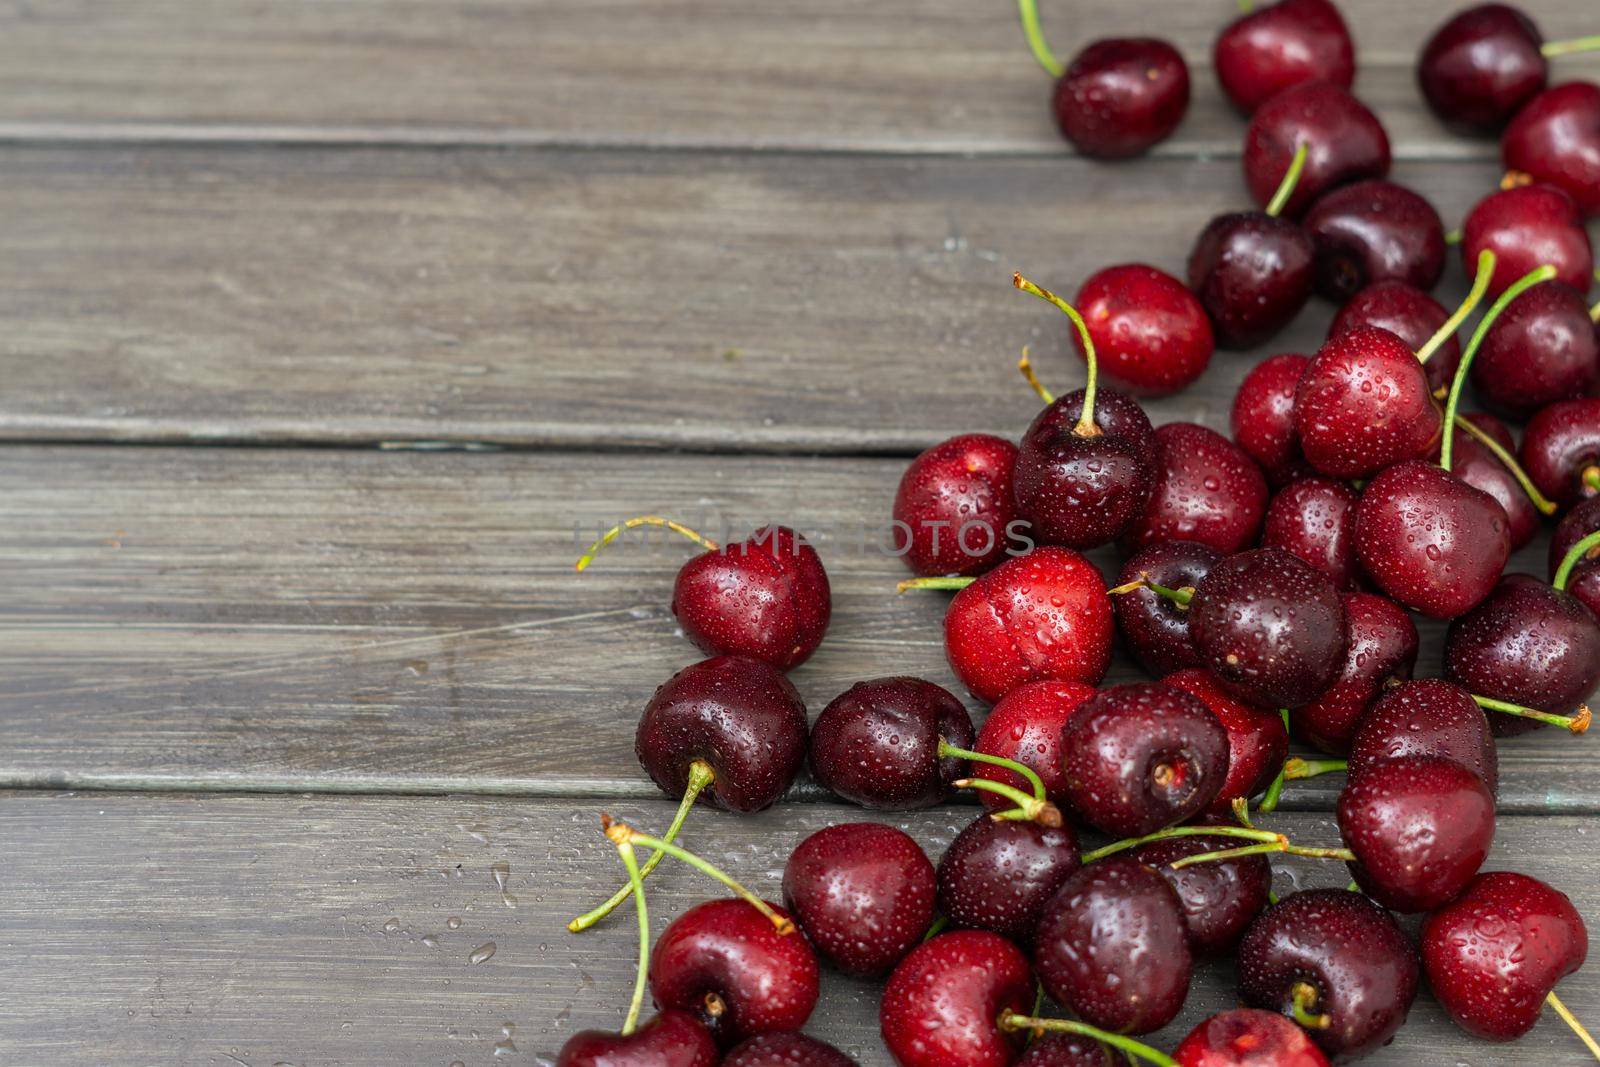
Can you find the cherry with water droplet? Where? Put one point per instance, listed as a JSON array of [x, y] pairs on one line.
[[1279, 46], [1155, 627], [1485, 458], [1561, 450], [1411, 315], [1363, 404], [1541, 350], [1262, 417], [943, 1003], [670, 1039], [1150, 332], [1528, 226], [956, 505], [786, 1049], [1426, 717], [1555, 138], [886, 743], [1206, 489], [1219, 898], [1258, 742], [998, 873], [1480, 66], [1583, 579], [1374, 231], [1026, 727], [1380, 650], [1248, 1037], [1314, 519], [1344, 140]]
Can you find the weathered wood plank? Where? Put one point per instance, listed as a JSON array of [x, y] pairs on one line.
[[252, 619], [573, 298], [328, 931], [903, 76]]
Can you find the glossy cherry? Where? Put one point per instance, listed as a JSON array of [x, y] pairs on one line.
[[1206, 489], [1279, 46], [883, 743], [1069, 1050], [670, 1039], [1121, 96], [1315, 519], [1248, 1037], [863, 893], [1482, 468], [942, 1005], [1426, 717], [1257, 740], [1374, 231], [1218, 898], [1155, 628], [1150, 333], [1112, 947], [1411, 315], [1262, 417], [1542, 349], [998, 874], [1380, 650], [1334, 961], [1026, 727], [955, 505], [1555, 138], [786, 1049], [1528, 226], [1363, 404], [1345, 143], [1561, 450], [1584, 581]]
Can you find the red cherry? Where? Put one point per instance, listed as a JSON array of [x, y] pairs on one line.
[[1541, 350], [1561, 450], [1150, 333], [1380, 650], [1219, 898], [1248, 1037], [1315, 519], [1154, 627], [1121, 96], [1555, 138], [1263, 416], [956, 507], [1481, 468], [1427, 717], [1409, 314], [1026, 727], [1257, 740], [1345, 143], [1206, 489], [1282, 45], [1363, 404], [671, 1039], [1527, 227], [1481, 66], [1584, 581], [943, 1003], [786, 1049], [1374, 231], [883, 743], [998, 874]]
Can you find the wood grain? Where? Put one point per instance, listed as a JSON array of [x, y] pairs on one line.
[[323, 931], [899, 76]]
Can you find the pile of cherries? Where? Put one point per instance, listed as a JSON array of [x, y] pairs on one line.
[[1269, 582]]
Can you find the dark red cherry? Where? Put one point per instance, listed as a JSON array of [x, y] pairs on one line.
[[1154, 627], [1263, 417], [1079, 487], [1218, 898], [998, 874], [1481, 66], [786, 1049], [1363, 404], [1252, 273], [1480, 468], [1555, 138], [1141, 756], [1427, 717], [943, 1003], [1540, 350], [1380, 650], [1561, 450], [955, 505], [1496, 953], [1026, 727], [1411, 315], [1269, 627], [1257, 740], [1040, 617], [1526, 227], [1430, 540], [1315, 519], [727, 964], [1206, 489], [1150, 333], [1527, 643], [863, 893], [1333, 959], [880, 743], [1121, 96], [1345, 143], [1281, 45], [1248, 1037], [1584, 582], [1112, 947], [1420, 827], [670, 1039], [1069, 1050], [1374, 231]]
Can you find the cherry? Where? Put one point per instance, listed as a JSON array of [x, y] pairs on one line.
[[1345, 143], [1206, 489], [1026, 727], [1257, 739], [1248, 1037], [1280, 46], [1555, 138], [1485, 459], [1112, 947], [1363, 404], [786, 1049], [1156, 627], [863, 893], [887, 743], [765, 597], [1495, 954], [1314, 519], [998, 874], [1528, 226], [1411, 315], [1152, 335], [1269, 627], [1481, 66], [1263, 416], [1584, 578], [1427, 717], [1335, 962], [956, 505], [1380, 650], [1541, 349], [1374, 231], [1420, 827], [671, 1039], [1561, 450], [943, 1003], [1219, 898], [1069, 1050]]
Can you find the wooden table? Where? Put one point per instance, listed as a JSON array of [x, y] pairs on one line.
[[331, 329]]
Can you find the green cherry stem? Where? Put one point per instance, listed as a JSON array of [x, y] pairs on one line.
[[1551, 49], [1241, 812], [640, 980], [1281, 845], [1453, 237], [1296, 768], [1012, 1022], [1304, 1000], [1572, 1021], [1025, 365], [621, 832], [1570, 560], [1577, 722], [1030, 29], [1542, 503], [934, 583], [1248, 834], [1085, 426], [1480, 285], [1021, 770], [1269, 803], [936, 927], [700, 776], [1594, 313], [643, 520], [1514, 290], [1291, 178], [1028, 809], [1180, 596]]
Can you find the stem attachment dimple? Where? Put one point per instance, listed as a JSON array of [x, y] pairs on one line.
[[1291, 178], [1480, 285], [621, 832], [1543, 504], [1035, 35], [1577, 722], [643, 520], [1572, 1021], [1551, 49], [1590, 477], [1012, 1022], [1304, 1000], [1025, 365], [1570, 560], [1085, 426], [934, 583]]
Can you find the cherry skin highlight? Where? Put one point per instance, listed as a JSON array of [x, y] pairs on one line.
[[1153, 627], [1080, 490], [671, 1039], [1542, 349], [1257, 740], [1380, 651], [1345, 143], [1151, 335], [1206, 489], [1561, 450], [1481, 66], [1218, 898], [1411, 315], [877, 743], [997, 875], [1262, 417], [1426, 717], [1527, 227], [1556, 139], [1248, 1037], [1364, 404], [1282, 45], [1026, 727], [1374, 231], [1121, 96], [957, 505], [1314, 519], [942, 1004], [786, 1049]]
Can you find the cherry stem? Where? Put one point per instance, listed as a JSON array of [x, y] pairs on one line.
[[644, 520], [1022, 770], [621, 832], [1590, 476], [1542, 503], [1572, 1021], [1010, 1020], [1453, 237], [1570, 560], [1291, 178], [1594, 313], [1246, 6], [1550, 49], [1180, 596], [1577, 722], [636, 882], [1248, 833], [1269, 802], [700, 776], [1028, 809], [1241, 811], [936, 927], [1030, 29], [934, 583], [1025, 365], [1296, 768], [1480, 285], [1304, 996], [1514, 290], [1283, 844], [1085, 426]]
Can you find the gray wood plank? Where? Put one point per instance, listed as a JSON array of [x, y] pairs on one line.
[[577, 299], [358, 621], [338, 931], [906, 75]]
